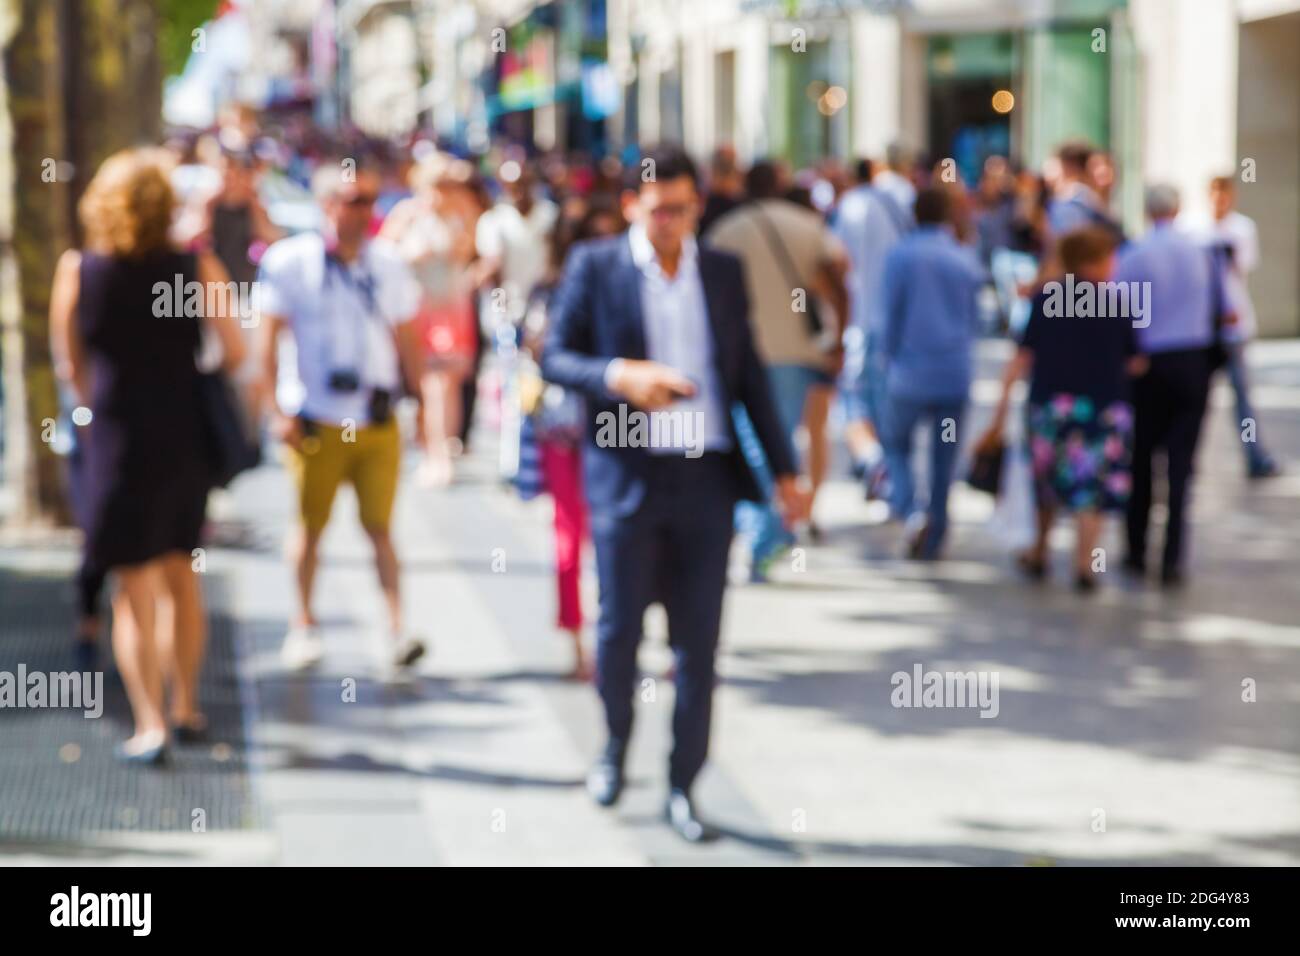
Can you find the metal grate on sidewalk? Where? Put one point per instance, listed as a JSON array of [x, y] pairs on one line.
[[59, 781]]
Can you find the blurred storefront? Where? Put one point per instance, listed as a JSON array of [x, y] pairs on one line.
[[1176, 90]]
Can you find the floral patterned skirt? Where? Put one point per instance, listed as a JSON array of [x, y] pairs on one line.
[[1081, 454]]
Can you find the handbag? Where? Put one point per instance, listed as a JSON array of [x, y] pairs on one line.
[[985, 472], [233, 447], [812, 316]]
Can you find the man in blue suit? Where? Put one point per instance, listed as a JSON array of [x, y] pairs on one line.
[[654, 330]]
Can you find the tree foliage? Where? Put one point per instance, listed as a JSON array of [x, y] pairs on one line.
[[177, 23]]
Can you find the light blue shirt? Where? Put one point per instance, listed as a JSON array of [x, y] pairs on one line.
[[1181, 298], [868, 230], [1077, 207], [929, 292], [678, 334]]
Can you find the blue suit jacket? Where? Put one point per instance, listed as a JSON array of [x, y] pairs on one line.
[[595, 316]]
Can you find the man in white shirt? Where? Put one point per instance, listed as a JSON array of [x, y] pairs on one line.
[[347, 304], [1233, 235], [513, 237]]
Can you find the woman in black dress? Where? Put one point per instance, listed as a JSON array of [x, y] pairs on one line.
[[127, 347]]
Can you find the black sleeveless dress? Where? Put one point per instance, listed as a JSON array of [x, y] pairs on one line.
[[146, 465]]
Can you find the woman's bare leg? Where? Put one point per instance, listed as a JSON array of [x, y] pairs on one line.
[[135, 647], [182, 636], [816, 411], [1087, 526], [436, 469]]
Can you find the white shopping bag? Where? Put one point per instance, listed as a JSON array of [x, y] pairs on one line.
[[1014, 523]]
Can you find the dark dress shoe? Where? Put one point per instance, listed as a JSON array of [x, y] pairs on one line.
[[605, 782], [1171, 578], [1134, 568], [153, 757], [1085, 582], [1035, 569], [680, 814], [195, 733]]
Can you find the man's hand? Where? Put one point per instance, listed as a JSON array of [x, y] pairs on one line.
[[287, 429], [794, 496], [649, 385]]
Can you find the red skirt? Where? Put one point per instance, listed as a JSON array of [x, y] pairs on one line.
[[448, 330]]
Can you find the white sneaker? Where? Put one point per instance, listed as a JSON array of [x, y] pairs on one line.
[[406, 652], [302, 648]]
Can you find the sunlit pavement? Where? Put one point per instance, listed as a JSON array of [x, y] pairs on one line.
[[1121, 735]]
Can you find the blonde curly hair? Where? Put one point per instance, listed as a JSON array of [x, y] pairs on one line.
[[127, 208]]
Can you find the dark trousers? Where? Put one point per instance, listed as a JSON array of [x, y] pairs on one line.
[[1169, 404], [672, 550]]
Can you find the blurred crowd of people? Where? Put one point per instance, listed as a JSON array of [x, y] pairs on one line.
[[771, 304]]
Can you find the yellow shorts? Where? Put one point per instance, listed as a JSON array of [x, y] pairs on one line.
[[370, 462]]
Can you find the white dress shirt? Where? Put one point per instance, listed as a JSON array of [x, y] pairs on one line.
[[678, 334]]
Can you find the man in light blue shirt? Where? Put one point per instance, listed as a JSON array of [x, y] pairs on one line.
[[930, 318], [1182, 284]]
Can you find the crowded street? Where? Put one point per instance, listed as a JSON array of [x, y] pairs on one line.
[[584, 433]]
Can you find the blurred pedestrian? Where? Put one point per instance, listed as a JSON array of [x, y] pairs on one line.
[[649, 322], [236, 225], [1185, 295], [869, 222], [1102, 177], [349, 304], [995, 209], [1234, 237], [929, 290], [894, 176], [434, 231], [726, 187], [237, 230], [130, 355], [513, 237], [1075, 201], [1079, 413], [795, 277], [559, 421]]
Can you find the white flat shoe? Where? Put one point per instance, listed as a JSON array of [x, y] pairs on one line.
[[302, 648]]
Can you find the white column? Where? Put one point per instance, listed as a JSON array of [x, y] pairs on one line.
[[698, 100], [1189, 55], [876, 93], [752, 52]]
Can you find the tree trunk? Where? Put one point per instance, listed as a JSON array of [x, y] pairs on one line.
[[31, 147], [82, 79]]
